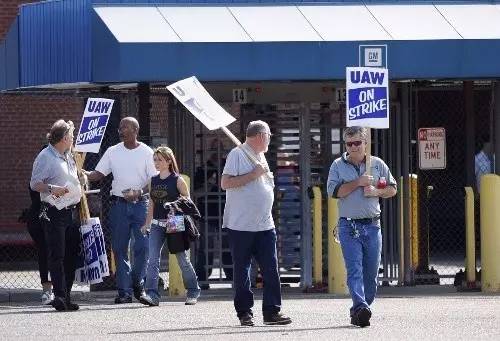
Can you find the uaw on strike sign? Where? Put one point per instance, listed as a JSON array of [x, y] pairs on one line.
[[367, 97], [93, 126]]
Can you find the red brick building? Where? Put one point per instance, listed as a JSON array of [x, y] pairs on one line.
[[25, 119]]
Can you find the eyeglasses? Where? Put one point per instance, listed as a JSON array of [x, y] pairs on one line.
[[353, 143]]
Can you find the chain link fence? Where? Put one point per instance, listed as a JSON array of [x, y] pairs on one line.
[[440, 238]]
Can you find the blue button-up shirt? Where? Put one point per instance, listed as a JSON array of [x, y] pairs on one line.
[[54, 168]]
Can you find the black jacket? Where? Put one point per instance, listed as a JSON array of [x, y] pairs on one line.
[[178, 242]]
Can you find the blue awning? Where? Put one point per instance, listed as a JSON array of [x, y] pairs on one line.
[[78, 42]]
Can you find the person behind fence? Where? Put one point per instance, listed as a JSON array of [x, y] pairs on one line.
[[248, 218], [131, 163], [55, 177], [166, 187], [483, 163], [358, 228]]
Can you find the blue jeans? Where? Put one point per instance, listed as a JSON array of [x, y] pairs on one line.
[[125, 219], [361, 246], [261, 245], [156, 241]]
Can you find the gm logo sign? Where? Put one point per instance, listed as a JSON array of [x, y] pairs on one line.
[[373, 55]]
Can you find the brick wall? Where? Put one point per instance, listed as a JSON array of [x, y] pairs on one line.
[[8, 12], [26, 119]]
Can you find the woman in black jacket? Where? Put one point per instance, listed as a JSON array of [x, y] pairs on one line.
[[167, 186]]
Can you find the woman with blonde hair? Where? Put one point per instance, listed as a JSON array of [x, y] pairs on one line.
[[165, 187]]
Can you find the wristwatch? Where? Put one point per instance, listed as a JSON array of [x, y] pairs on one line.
[[49, 186]]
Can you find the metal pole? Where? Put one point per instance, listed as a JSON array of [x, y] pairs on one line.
[[305, 182], [405, 169], [468, 91], [144, 108]]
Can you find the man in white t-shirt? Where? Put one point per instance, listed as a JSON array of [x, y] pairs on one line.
[[248, 218], [131, 163]]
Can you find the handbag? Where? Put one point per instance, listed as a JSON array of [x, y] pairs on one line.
[[174, 224]]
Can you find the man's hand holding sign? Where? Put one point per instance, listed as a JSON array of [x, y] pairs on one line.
[[358, 180], [367, 101]]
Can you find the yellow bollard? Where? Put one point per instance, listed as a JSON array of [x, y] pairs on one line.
[[175, 282], [490, 232], [337, 275], [317, 237], [414, 227], [470, 239]]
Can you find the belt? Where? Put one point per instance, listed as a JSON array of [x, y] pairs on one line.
[[159, 223], [365, 221], [70, 207], [122, 199]]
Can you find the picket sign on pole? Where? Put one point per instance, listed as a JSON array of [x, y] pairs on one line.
[[94, 265], [367, 101], [198, 102]]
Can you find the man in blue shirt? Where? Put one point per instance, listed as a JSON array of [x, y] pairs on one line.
[[55, 177], [358, 228]]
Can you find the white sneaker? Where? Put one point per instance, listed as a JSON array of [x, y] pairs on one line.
[[191, 301], [47, 297]]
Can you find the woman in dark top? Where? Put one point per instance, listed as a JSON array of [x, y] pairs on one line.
[[167, 186]]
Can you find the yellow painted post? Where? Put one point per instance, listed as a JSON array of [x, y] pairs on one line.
[[490, 232], [317, 237], [337, 275], [175, 283], [414, 228], [470, 239]]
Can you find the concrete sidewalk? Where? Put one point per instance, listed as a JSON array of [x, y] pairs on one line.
[[415, 313]]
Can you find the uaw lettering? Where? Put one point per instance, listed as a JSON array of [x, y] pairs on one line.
[[93, 126], [367, 97]]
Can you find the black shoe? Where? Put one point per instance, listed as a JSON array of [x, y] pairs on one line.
[[138, 292], [361, 318], [148, 300], [204, 286], [123, 299], [277, 318], [72, 306], [58, 303], [247, 320]]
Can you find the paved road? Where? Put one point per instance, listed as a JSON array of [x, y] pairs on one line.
[[399, 314]]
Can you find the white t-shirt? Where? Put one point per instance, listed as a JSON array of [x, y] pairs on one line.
[[249, 207], [131, 168]]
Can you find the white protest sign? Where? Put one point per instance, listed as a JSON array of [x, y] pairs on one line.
[[93, 126], [432, 148], [198, 101], [367, 100], [95, 261]]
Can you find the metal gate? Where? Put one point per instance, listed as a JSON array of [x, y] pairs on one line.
[[441, 237]]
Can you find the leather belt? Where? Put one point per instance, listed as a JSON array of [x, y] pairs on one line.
[[365, 221], [122, 199]]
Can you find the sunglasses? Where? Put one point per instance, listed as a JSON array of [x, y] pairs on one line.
[[354, 143]]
